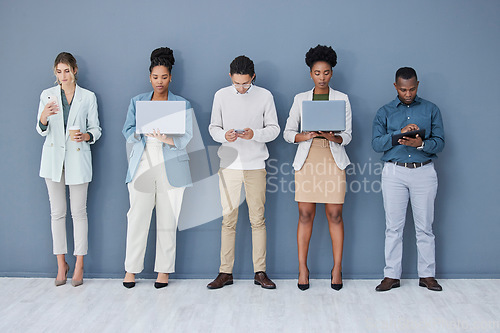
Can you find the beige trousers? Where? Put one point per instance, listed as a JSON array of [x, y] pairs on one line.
[[149, 189], [230, 181], [78, 204]]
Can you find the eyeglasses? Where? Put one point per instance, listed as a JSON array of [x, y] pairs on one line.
[[245, 86]]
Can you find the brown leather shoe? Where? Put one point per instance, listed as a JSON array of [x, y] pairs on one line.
[[387, 284], [430, 283], [220, 281], [261, 279]]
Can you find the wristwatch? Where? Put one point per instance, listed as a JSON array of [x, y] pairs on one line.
[[422, 146]]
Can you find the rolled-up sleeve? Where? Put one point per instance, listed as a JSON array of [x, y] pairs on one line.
[[40, 128], [93, 125], [293, 122], [347, 134]]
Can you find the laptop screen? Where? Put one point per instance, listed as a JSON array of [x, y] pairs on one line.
[[327, 116], [167, 116]]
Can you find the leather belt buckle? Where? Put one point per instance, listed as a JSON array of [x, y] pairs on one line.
[[411, 165]]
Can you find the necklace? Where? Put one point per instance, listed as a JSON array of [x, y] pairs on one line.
[[69, 94]]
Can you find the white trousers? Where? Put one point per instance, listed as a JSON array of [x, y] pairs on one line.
[[78, 205], [400, 184], [149, 189]]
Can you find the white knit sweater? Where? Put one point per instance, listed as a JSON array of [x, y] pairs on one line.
[[254, 109]]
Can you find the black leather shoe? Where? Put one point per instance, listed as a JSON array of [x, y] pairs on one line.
[[304, 286], [430, 283], [388, 284], [262, 280], [337, 286], [159, 285], [129, 284], [220, 281]]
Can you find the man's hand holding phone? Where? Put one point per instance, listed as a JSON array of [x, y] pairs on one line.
[[231, 135], [246, 133]]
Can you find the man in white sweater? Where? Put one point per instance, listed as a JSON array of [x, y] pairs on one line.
[[243, 120]]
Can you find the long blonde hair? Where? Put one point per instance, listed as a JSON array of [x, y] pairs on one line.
[[67, 59]]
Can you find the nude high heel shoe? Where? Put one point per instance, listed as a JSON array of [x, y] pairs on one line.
[[61, 282], [76, 283]]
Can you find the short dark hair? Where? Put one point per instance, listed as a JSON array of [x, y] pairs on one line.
[[321, 53], [162, 56], [242, 65], [406, 73]]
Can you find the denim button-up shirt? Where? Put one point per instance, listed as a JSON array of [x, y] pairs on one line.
[[392, 117]]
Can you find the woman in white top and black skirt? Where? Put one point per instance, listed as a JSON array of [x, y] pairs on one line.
[[319, 165]]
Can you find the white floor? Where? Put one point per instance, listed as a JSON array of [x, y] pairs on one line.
[[104, 305]]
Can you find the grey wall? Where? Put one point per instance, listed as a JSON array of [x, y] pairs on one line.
[[453, 45]]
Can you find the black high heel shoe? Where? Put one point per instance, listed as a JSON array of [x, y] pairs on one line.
[[159, 285], [304, 286], [129, 284], [337, 286]]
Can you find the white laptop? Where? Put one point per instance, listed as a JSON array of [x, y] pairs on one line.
[[167, 116], [326, 116]]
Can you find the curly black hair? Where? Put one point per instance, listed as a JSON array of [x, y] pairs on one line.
[[406, 73], [242, 65], [321, 53], [162, 56]]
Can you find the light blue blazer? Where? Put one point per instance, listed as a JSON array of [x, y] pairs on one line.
[[58, 150], [176, 158]]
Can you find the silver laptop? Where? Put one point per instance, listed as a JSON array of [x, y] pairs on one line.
[[167, 116], [327, 116]]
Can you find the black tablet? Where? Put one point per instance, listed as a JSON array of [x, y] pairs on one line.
[[410, 134]]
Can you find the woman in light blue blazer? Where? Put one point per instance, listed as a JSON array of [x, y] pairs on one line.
[[158, 172], [66, 159]]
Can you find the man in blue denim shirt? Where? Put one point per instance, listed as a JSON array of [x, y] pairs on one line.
[[408, 174]]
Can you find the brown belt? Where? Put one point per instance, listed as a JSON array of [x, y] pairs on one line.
[[411, 165]]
